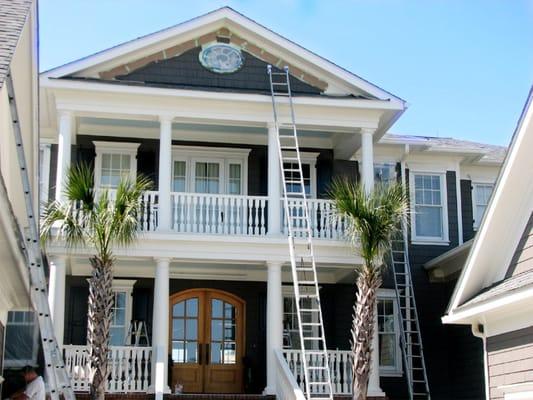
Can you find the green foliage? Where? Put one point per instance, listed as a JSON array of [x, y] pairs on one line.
[[91, 219], [372, 218]]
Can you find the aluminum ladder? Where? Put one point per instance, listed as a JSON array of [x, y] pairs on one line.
[[410, 336], [58, 380], [314, 355]]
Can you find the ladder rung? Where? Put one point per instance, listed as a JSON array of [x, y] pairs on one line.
[[311, 323]]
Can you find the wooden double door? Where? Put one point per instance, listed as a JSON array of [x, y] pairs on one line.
[[207, 341]]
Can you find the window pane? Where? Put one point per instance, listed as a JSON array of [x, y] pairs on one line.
[[387, 350], [192, 307], [216, 329], [178, 329], [428, 221], [216, 308], [178, 351], [179, 309], [117, 336], [192, 352], [216, 353], [191, 331], [106, 161]]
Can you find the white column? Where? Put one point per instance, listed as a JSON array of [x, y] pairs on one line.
[[56, 295], [160, 329], [367, 159], [165, 170], [274, 183], [274, 322], [64, 141], [374, 389]]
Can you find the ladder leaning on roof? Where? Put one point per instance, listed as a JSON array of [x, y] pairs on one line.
[[314, 355], [59, 381]]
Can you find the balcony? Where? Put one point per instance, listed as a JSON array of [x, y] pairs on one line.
[[239, 215]]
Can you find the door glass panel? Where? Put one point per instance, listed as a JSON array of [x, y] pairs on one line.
[[223, 332], [185, 331], [207, 177]]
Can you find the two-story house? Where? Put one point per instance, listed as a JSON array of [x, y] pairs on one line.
[[190, 107]]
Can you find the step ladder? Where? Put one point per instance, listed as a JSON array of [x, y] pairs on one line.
[[138, 332], [314, 355], [411, 339], [59, 382]]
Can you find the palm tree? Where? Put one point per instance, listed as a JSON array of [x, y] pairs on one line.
[[373, 218], [98, 222]]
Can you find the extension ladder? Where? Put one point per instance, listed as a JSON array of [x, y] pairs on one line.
[[314, 355], [59, 381], [411, 339]]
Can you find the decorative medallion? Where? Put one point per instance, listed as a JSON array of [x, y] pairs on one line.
[[221, 58]]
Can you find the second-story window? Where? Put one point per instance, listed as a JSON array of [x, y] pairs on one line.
[[179, 179], [292, 176], [207, 177], [234, 179], [428, 202], [480, 198], [114, 161]]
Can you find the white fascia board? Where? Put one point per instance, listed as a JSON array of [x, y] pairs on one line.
[[505, 217], [228, 15], [47, 83]]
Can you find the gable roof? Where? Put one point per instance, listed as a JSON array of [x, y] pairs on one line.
[[506, 217], [303, 62], [13, 14]]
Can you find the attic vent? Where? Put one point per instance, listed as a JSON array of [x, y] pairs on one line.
[[221, 39]]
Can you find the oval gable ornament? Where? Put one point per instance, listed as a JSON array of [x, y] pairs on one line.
[[221, 58]]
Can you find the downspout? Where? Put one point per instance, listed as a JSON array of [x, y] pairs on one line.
[[478, 330]]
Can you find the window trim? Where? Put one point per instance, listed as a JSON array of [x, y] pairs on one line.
[[416, 239], [123, 148], [475, 217], [222, 155], [44, 173], [35, 350], [397, 370]]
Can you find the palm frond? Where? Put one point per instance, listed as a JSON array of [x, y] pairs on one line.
[[372, 218]]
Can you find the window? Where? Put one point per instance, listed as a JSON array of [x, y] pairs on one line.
[[480, 199], [291, 335], [114, 161], [210, 170], [207, 177], [385, 173], [234, 180], [44, 172], [22, 339], [115, 167], [389, 350], [179, 179], [292, 175], [429, 199], [121, 312], [118, 324]]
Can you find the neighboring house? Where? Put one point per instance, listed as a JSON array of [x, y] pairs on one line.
[[494, 294], [18, 53], [190, 107]]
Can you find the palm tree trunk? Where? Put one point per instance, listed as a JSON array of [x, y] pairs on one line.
[[99, 321], [368, 282]]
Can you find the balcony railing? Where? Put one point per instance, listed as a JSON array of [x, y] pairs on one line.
[[129, 366], [241, 215], [340, 368]]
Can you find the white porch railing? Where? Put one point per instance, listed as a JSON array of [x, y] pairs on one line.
[[129, 365], [219, 214], [325, 224], [339, 366]]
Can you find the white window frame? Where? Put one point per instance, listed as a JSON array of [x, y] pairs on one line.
[[306, 158], [477, 218], [397, 370], [125, 286], [434, 240], [122, 148], [44, 172], [35, 350], [222, 155], [288, 293]]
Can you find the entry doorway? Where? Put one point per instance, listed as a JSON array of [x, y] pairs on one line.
[[207, 341]]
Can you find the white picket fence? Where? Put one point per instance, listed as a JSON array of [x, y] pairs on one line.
[[339, 366], [325, 224], [129, 365]]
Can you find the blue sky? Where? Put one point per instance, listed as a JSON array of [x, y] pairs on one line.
[[465, 67]]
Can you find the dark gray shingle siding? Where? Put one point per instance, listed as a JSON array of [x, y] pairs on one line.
[[468, 215]]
